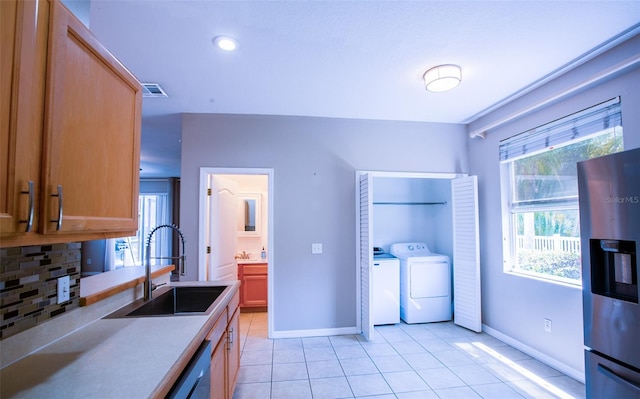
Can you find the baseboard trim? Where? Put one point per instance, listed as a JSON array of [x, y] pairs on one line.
[[321, 332], [549, 361]]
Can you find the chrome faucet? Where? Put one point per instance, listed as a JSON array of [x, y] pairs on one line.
[[148, 286]]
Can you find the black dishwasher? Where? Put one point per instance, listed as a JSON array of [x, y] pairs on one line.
[[193, 373]]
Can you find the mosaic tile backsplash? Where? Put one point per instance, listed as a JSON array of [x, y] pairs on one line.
[[29, 286]]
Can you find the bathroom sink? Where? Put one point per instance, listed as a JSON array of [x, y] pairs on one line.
[[174, 301]]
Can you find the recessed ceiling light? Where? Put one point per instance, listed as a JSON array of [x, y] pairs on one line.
[[225, 43]]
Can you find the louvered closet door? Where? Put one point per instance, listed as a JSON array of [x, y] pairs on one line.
[[466, 254], [366, 254]]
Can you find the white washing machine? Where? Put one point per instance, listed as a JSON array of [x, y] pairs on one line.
[[385, 287], [425, 283]]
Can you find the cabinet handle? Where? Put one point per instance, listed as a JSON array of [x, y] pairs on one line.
[[59, 220], [230, 337], [29, 220]]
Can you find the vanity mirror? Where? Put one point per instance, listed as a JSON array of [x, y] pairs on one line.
[[249, 215]]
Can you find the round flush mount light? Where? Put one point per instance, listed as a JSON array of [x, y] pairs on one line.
[[442, 78], [225, 43]]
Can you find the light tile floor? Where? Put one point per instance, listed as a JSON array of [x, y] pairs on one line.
[[434, 360]]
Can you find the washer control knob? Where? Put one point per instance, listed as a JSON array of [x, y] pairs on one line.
[[410, 247]]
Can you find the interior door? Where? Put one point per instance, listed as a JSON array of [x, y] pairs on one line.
[[222, 231], [365, 218], [466, 253]]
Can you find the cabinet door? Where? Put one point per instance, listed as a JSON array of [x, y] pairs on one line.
[[241, 279], [91, 134], [254, 290], [23, 35], [218, 370], [233, 360]]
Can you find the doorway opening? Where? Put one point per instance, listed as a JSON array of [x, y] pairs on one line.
[[405, 207], [236, 228]]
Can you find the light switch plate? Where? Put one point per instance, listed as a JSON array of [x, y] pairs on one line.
[[64, 289], [316, 248]]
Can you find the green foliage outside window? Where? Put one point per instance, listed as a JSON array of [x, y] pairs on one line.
[[553, 263], [552, 174], [565, 223]]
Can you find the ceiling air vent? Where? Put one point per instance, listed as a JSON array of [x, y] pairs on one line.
[[152, 90]]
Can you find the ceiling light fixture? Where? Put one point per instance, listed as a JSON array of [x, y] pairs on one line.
[[442, 78], [225, 43]]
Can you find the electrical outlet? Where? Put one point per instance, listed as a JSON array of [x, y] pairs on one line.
[[316, 248], [64, 289], [547, 325]]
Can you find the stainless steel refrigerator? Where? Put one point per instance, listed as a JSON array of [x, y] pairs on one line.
[[609, 189]]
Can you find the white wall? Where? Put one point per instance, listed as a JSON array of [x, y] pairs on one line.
[[314, 162], [431, 224], [516, 306]]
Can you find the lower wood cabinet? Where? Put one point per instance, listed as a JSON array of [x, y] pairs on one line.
[[225, 358], [218, 370], [233, 352], [253, 286]]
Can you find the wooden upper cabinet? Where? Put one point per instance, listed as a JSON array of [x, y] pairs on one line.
[[77, 124], [92, 133], [23, 46]]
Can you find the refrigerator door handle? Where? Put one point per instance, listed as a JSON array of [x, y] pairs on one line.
[[617, 378]]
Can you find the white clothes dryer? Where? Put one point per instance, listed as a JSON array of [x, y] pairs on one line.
[[425, 283]]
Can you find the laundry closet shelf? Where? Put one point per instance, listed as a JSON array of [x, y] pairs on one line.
[[409, 203]]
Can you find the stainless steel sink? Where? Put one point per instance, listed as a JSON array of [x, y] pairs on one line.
[[173, 301]]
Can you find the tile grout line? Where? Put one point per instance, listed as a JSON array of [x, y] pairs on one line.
[[342, 368], [446, 334]]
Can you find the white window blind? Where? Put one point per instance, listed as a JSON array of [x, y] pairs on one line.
[[577, 126], [541, 226]]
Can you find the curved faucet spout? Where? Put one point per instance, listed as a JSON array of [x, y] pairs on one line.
[[148, 286]]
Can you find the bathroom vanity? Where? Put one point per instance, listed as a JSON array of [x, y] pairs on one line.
[[253, 288]]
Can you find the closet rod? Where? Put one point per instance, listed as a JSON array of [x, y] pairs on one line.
[[410, 203]]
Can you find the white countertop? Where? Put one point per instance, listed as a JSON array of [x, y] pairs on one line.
[[111, 358], [250, 261]]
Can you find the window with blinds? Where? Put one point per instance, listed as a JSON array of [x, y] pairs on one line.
[[153, 210], [540, 189]]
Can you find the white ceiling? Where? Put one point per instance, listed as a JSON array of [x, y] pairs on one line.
[[343, 59]]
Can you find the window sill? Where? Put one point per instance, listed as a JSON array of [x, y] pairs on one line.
[[96, 288], [533, 276]]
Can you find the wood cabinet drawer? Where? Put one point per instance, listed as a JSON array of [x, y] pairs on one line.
[[218, 328], [254, 269], [233, 305]]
